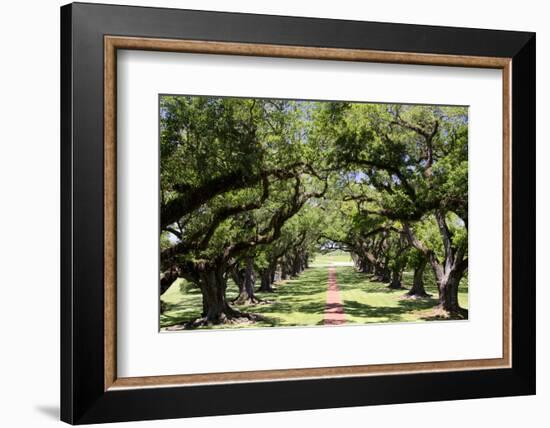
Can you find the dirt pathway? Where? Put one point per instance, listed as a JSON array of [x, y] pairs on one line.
[[334, 310]]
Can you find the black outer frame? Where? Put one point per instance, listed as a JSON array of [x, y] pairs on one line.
[[83, 399]]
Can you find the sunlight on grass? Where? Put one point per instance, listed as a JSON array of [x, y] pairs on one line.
[[366, 301], [301, 301], [332, 258]]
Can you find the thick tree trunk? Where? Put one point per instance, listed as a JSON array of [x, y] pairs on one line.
[[367, 268], [417, 289], [237, 275], [448, 293], [296, 266], [359, 265], [450, 273], [395, 283], [246, 283], [216, 309], [448, 278], [381, 273], [364, 265], [284, 271], [447, 273], [266, 280], [365, 262]]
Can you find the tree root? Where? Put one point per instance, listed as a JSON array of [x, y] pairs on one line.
[[417, 296], [224, 319], [439, 313], [247, 301]]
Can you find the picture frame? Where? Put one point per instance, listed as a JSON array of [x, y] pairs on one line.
[[91, 391]]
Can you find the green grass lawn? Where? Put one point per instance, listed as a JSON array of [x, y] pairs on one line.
[[296, 302], [301, 301], [336, 257], [367, 301]]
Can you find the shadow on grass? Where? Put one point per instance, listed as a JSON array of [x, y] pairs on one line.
[[387, 313], [293, 299], [305, 295], [302, 301]]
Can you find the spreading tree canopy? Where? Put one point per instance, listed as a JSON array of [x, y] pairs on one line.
[[257, 185]]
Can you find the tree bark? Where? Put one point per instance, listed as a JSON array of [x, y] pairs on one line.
[[395, 283], [448, 293], [417, 289], [284, 270], [266, 281], [245, 282], [363, 264], [212, 282], [381, 273], [367, 266], [296, 266], [449, 272], [216, 309]]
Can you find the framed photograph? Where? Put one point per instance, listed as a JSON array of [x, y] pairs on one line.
[[266, 213]]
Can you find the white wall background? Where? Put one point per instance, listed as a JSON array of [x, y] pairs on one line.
[[29, 214]]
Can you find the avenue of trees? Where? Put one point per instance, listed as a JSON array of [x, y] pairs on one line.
[[250, 189]]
